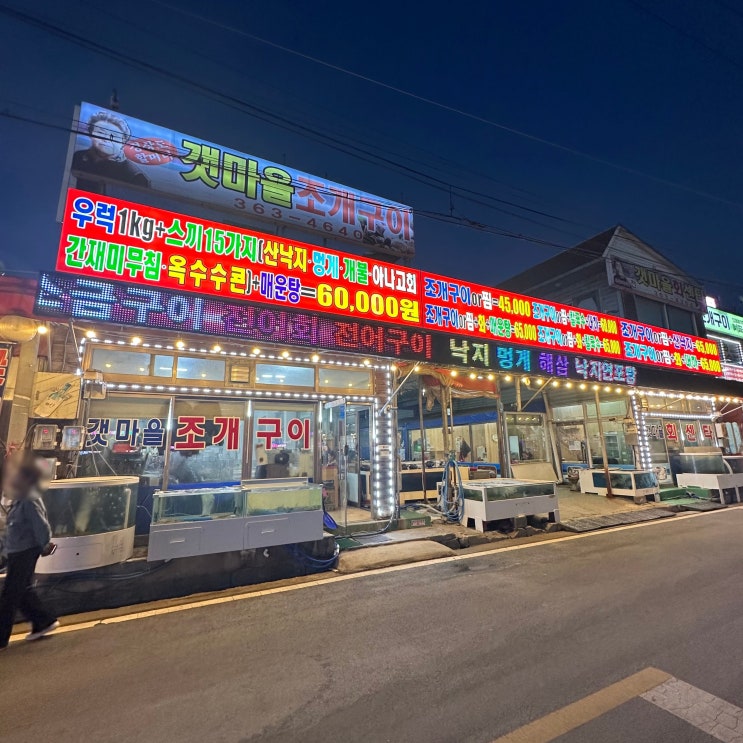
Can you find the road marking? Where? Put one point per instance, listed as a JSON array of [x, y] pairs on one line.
[[595, 705], [370, 573], [709, 713]]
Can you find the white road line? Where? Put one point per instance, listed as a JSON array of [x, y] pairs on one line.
[[377, 571], [707, 712]]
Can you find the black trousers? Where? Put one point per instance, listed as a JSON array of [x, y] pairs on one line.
[[18, 593]]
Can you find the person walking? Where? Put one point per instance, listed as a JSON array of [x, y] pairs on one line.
[[27, 538]]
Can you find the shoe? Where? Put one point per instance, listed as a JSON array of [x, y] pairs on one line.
[[42, 632]]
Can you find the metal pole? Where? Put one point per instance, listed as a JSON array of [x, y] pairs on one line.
[[517, 381], [609, 493], [423, 438], [504, 448]]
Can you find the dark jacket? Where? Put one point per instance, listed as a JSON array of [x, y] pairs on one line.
[[27, 525]]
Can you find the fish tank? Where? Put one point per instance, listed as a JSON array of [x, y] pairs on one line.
[[698, 464], [735, 464], [86, 506], [505, 489], [198, 504], [92, 521], [274, 498], [226, 518]]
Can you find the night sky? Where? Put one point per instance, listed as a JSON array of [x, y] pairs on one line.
[[653, 86]]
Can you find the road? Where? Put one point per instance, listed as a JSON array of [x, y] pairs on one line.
[[465, 650]]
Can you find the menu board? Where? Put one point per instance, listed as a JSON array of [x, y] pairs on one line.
[[144, 246]]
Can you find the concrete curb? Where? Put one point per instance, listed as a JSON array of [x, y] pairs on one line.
[[387, 555]]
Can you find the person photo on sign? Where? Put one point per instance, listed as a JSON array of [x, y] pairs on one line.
[[105, 157]]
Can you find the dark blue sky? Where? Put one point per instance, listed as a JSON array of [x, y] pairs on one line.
[[605, 78]]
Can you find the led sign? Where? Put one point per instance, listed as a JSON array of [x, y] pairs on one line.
[[101, 300], [111, 238], [471, 310], [725, 323], [151, 248]]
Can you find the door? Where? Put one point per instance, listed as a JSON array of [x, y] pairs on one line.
[[334, 457]]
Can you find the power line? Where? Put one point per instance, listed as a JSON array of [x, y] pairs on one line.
[[453, 109], [245, 107], [450, 219]]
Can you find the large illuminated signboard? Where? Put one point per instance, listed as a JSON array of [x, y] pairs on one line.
[[103, 300], [454, 306], [109, 238], [725, 323], [112, 147]]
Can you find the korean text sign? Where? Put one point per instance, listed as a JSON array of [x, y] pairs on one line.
[[110, 146], [6, 350], [102, 300], [470, 310], [725, 323], [111, 238]]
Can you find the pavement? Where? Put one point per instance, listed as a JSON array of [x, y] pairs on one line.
[[469, 648]]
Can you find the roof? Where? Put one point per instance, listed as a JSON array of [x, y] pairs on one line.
[[575, 257]]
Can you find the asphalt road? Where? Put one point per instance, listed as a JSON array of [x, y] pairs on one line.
[[461, 651]]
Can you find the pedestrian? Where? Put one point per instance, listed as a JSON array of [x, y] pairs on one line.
[[27, 538]]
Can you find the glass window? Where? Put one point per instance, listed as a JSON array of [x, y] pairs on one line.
[[206, 442], [527, 440], [115, 361], [163, 366], [342, 378], [191, 367], [282, 375], [618, 451], [126, 436], [608, 408], [485, 442], [680, 319], [649, 311], [283, 441], [568, 413]]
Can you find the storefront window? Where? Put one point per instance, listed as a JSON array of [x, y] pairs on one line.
[[617, 449], [206, 442], [192, 367], [126, 436], [283, 441], [282, 375], [527, 440], [568, 413], [162, 366], [345, 379], [485, 442], [115, 361]]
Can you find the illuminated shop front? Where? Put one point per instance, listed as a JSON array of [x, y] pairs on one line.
[[178, 415]]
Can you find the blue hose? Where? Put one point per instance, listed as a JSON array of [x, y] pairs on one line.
[[453, 510]]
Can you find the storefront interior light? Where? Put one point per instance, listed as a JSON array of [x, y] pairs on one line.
[[569, 385], [256, 351], [607, 389], [473, 375], [555, 383], [526, 381], [90, 333], [595, 388], [42, 329], [491, 377], [508, 378], [285, 354], [454, 372], [618, 390], [136, 341], [315, 358]]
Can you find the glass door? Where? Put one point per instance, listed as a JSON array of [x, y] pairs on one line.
[[334, 460]]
